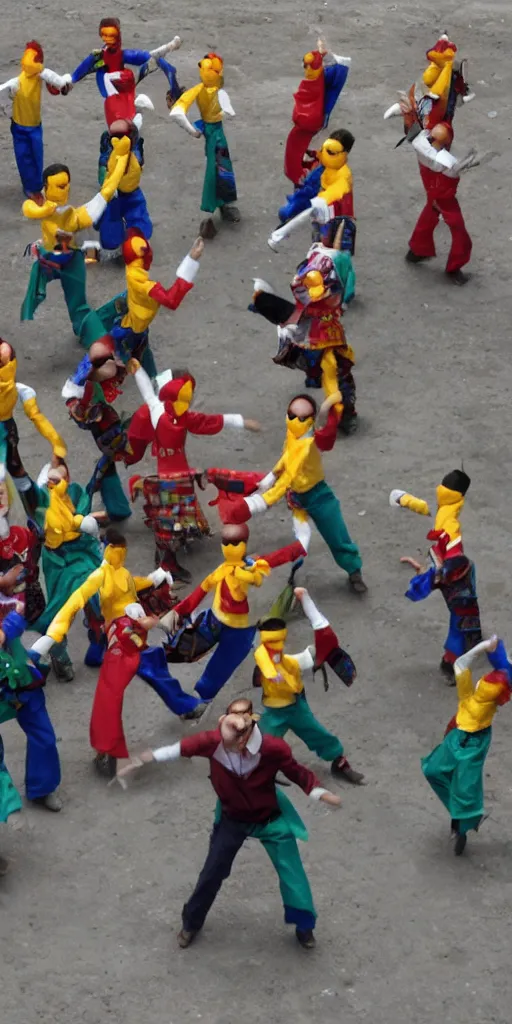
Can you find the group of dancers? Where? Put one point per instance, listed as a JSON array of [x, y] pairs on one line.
[[69, 560]]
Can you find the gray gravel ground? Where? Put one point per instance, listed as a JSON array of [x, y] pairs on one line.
[[406, 933]]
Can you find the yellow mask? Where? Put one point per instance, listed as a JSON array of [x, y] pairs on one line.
[[211, 71], [182, 403], [332, 154], [109, 36], [115, 555], [299, 428], [314, 283], [274, 638], [30, 63], [57, 188], [8, 373], [311, 73], [234, 553]]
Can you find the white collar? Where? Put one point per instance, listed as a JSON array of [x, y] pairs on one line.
[[254, 742]]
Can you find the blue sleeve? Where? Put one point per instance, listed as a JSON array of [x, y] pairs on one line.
[[136, 57], [13, 626], [499, 659], [85, 67], [421, 585], [170, 73], [335, 76], [301, 198]]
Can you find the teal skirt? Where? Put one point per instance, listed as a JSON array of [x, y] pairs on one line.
[[10, 800], [219, 188], [454, 769]]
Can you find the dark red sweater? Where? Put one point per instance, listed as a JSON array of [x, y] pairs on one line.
[[252, 798]]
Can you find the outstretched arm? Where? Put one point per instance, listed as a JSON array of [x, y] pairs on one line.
[[182, 106], [41, 423], [306, 779], [89, 214], [61, 624], [462, 666], [185, 277], [52, 78]]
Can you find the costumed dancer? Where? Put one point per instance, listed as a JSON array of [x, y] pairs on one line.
[[127, 626], [326, 198], [20, 551], [281, 677], [442, 89], [10, 391], [89, 395], [299, 476], [228, 621], [56, 257], [219, 188], [451, 571], [26, 126], [144, 297], [455, 768], [71, 551], [243, 768], [22, 698], [311, 336], [171, 508], [128, 209], [325, 75]]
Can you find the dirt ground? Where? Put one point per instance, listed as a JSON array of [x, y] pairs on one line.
[[406, 933]]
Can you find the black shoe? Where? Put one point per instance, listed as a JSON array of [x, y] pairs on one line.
[[231, 214], [306, 938], [105, 765], [411, 257], [195, 714], [348, 425], [448, 670], [458, 277], [63, 668], [460, 844], [185, 938], [341, 769], [357, 583]]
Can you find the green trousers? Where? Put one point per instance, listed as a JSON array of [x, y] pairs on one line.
[[299, 719], [219, 188], [454, 769], [10, 800], [87, 325], [323, 507]]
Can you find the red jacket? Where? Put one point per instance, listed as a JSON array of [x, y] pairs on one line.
[[168, 437], [250, 798]]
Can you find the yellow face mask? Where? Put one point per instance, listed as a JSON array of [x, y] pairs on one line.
[[275, 639], [234, 553], [311, 73], [314, 283], [299, 428], [182, 403], [8, 372], [332, 154], [211, 71], [30, 63], [115, 555], [57, 188], [59, 488], [109, 36]]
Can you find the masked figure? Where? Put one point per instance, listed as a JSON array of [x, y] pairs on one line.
[[128, 209], [20, 551], [325, 75]]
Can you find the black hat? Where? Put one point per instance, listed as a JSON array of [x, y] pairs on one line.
[[457, 480]]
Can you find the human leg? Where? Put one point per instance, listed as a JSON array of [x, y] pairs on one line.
[[276, 721], [232, 649], [114, 499], [42, 766], [10, 800], [106, 728], [28, 153], [421, 242], [86, 324], [281, 847], [154, 671], [134, 211], [325, 510], [454, 770], [460, 251], [111, 226], [306, 726], [226, 840]]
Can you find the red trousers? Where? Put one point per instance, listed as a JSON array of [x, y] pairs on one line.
[[441, 202], [296, 145], [106, 728]]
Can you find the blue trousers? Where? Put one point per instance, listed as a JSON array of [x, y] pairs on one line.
[[126, 210], [28, 152], [42, 765], [154, 670], [127, 342], [232, 649]]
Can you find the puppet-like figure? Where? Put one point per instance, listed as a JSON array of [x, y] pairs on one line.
[[26, 126], [311, 335], [171, 507], [20, 551], [325, 197], [10, 391], [127, 654], [443, 88], [299, 477], [128, 209], [219, 188], [325, 75], [57, 258], [451, 571]]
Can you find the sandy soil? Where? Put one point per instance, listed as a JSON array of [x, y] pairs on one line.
[[406, 933]]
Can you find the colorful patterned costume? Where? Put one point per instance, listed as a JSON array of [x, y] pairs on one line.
[[324, 77]]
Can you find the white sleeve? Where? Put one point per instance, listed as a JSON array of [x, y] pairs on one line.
[[12, 85], [256, 503], [233, 419], [302, 532], [335, 58], [466, 660], [25, 392], [52, 78], [317, 792], [267, 482], [155, 406], [171, 753], [43, 645], [89, 525], [178, 114], [225, 103], [160, 51], [439, 160], [96, 207], [305, 659], [317, 620], [188, 269]]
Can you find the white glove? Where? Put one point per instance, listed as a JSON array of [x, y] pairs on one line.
[[394, 498], [267, 482], [43, 645], [255, 503], [160, 576], [134, 611], [89, 525], [320, 210]]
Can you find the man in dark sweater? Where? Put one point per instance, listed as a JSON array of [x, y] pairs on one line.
[[243, 769]]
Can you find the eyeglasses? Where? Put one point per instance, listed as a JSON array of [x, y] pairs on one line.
[[301, 419]]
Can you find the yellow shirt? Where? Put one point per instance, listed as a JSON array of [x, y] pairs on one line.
[[449, 507], [207, 99], [335, 184], [299, 469], [61, 523], [142, 309], [26, 104], [281, 681], [477, 705], [131, 177], [65, 218], [8, 390], [117, 588]]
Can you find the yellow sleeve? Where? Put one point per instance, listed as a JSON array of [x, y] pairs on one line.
[[31, 210], [61, 624], [142, 582], [189, 97], [77, 521], [330, 383], [464, 681], [415, 504], [45, 428], [288, 472], [339, 188], [79, 219]]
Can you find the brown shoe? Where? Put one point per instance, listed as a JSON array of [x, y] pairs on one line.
[[231, 214], [341, 769], [207, 229], [195, 715], [185, 938], [357, 583]]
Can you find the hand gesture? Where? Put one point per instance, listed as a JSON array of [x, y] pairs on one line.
[[492, 643], [300, 592], [135, 762], [406, 559], [252, 425], [197, 249], [132, 365], [331, 798]]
